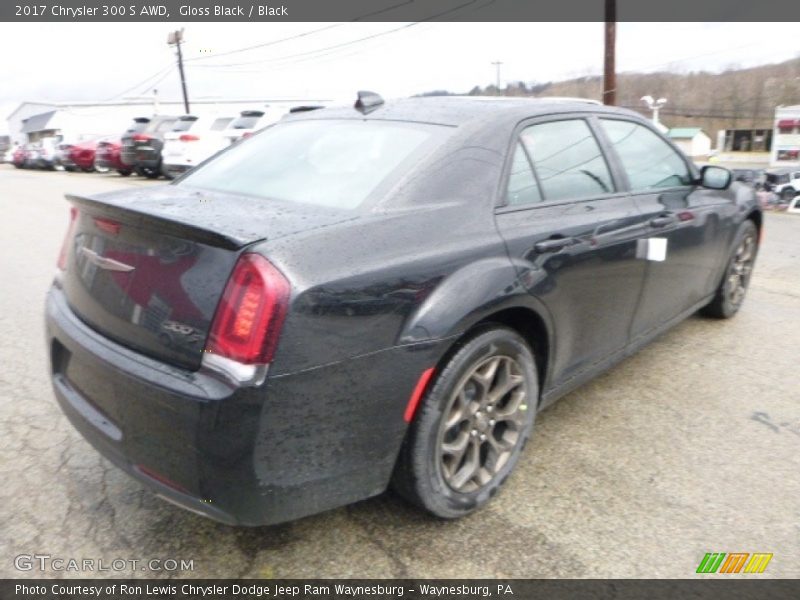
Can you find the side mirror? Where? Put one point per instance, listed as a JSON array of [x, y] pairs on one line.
[[715, 178]]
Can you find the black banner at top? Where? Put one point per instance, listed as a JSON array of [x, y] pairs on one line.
[[396, 10]]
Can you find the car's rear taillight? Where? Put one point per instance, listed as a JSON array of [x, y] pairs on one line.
[[188, 137], [141, 137], [247, 134], [62, 256], [249, 318]]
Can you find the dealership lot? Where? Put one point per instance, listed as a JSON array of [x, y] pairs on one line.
[[691, 446]]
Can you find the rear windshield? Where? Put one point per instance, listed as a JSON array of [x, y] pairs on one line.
[[165, 125], [328, 163], [221, 123], [139, 126], [184, 124], [246, 122]]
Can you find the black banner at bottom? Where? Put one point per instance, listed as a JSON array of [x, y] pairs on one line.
[[411, 589]]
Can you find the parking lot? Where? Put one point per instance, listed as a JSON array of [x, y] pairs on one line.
[[691, 446]]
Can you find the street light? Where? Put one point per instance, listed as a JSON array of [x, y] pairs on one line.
[[655, 106]]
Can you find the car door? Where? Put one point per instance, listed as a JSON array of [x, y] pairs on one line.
[[694, 223], [572, 234]]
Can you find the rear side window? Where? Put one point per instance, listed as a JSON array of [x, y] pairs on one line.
[[336, 164], [522, 187], [567, 159], [649, 161]]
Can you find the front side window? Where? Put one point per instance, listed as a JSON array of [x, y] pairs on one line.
[[649, 161], [329, 163], [567, 159]]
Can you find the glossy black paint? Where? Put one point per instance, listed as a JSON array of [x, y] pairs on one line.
[[379, 294]]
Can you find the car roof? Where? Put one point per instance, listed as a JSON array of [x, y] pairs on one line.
[[460, 110]]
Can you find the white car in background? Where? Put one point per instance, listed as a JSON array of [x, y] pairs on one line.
[[202, 137]]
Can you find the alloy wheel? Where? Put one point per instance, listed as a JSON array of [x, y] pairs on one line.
[[741, 268], [483, 423]]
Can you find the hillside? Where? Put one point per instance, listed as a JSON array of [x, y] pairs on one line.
[[736, 98]]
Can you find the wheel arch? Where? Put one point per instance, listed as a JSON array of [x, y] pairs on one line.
[[527, 321], [483, 292]]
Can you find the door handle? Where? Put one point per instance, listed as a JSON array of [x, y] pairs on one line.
[[552, 245], [660, 222]]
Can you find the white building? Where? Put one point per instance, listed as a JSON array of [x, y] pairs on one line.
[[75, 121], [786, 137], [693, 141]]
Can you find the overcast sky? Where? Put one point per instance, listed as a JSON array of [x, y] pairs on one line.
[[98, 61]]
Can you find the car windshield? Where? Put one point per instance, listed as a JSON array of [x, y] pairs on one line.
[[336, 164]]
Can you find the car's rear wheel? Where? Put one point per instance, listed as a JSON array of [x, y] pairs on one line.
[[471, 426], [124, 172], [788, 193], [733, 287], [149, 172]]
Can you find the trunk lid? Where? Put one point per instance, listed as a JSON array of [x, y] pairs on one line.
[[147, 268]]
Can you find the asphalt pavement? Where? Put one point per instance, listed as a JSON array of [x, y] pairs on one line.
[[690, 446]]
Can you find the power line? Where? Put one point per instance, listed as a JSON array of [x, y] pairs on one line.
[[264, 45], [348, 43], [301, 35], [166, 69]]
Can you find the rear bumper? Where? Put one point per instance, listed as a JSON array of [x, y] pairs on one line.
[[297, 445]]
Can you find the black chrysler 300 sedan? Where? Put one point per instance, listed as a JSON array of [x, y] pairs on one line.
[[384, 294]]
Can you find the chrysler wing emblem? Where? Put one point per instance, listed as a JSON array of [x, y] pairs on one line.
[[109, 264]]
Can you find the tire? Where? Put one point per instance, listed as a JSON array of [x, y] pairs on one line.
[[429, 471], [732, 289], [124, 172], [788, 193], [149, 172]]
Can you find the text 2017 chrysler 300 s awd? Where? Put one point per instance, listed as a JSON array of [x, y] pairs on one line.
[[383, 294]]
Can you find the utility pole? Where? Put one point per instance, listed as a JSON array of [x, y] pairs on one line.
[[174, 39], [497, 64], [609, 67]]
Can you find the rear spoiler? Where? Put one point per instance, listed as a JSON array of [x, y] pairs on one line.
[[165, 224]]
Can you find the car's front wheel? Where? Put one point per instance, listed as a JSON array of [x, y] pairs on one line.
[[733, 287], [472, 425]]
